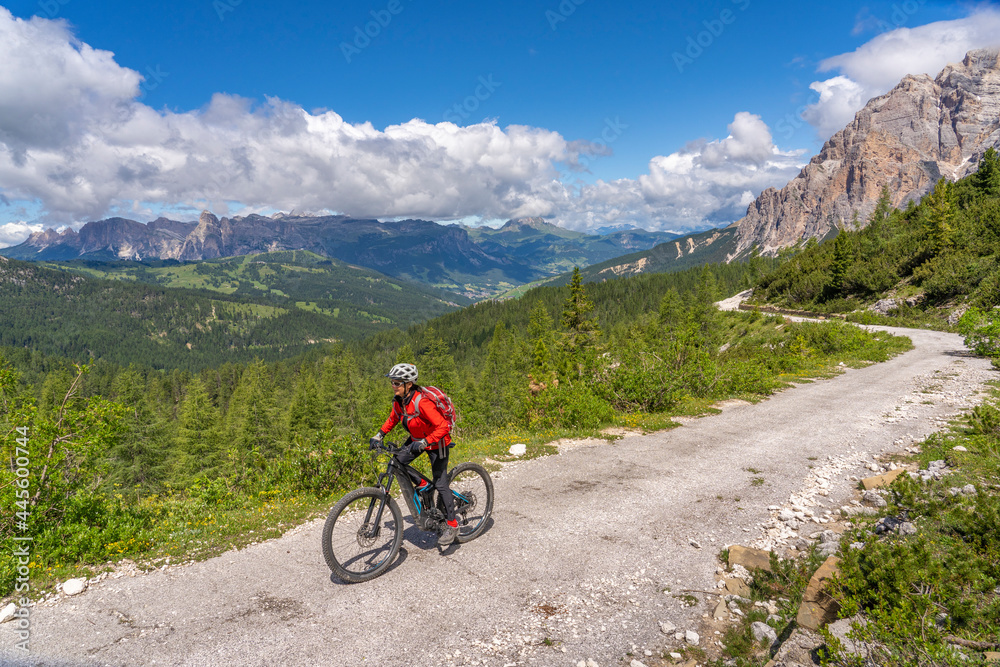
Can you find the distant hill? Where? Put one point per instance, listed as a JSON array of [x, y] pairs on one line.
[[70, 315], [476, 262], [297, 278], [553, 249]]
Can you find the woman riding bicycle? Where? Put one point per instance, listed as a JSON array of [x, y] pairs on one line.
[[429, 431]]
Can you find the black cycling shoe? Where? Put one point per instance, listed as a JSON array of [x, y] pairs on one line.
[[447, 535]]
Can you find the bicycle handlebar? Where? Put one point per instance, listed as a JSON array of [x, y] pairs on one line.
[[388, 448]]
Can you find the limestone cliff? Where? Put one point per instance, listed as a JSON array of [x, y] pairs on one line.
[[909, 138]]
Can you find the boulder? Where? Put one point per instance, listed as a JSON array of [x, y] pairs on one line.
[[74, 586], [840, 630], [751, 559], [818, 608], [798, 649], [763, 633], [738, 587], [874, 498], [881, 480]]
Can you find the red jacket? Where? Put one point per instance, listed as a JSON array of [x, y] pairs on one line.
[[429, 423]]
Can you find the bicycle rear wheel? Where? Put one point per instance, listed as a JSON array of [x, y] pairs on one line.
[[473, 491], [357, 544]]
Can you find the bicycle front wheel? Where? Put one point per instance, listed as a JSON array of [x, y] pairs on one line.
[[473, 490], [360, 541]]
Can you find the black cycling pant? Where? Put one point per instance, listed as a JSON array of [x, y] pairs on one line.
[[439, 471]]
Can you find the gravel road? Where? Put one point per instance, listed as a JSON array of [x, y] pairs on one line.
[[574, 566]]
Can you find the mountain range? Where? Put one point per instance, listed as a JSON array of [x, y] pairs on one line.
[[475, 262]]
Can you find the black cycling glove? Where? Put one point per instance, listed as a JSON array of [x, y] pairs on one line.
[[375, 441]]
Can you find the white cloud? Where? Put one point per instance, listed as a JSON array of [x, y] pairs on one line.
[[706, 183], [877, 66], [12, 233], [75, 137]]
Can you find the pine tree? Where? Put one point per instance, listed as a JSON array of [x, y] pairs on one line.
[[437, 366], [941, 211], [501, 384], [305, 413], [250, 420], [540, 337], [405, 355], [139, 455], [198, 434], [671, 310], [987, 179], [841, 261], [580, 338], [703, 310], [883, 207]]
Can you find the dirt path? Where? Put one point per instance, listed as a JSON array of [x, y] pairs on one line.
[[573, 568]]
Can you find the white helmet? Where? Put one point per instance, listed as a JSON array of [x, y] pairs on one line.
[[403, 372]]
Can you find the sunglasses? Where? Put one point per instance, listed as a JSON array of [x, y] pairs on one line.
[[396, 383]]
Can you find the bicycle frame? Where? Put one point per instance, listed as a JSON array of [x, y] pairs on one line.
[[399, 472]]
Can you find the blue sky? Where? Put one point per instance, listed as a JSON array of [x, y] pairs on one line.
[[661, 115]]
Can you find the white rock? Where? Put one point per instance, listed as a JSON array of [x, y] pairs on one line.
[[74, 586], [960, 448], [676, 656], [636, 663], [518, 449], [694, 544], [7, 612], [691, 637], [763, 632], [666, 627]]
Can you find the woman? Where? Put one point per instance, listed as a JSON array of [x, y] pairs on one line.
[[429, 431]]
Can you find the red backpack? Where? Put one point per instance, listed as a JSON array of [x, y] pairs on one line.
[[440, 399]]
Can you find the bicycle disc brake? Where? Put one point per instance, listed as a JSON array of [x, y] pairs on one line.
[[367, 534]]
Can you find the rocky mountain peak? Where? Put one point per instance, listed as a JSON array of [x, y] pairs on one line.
[[920, 131], [522, 223]]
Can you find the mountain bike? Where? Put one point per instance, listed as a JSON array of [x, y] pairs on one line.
[[364, 530]]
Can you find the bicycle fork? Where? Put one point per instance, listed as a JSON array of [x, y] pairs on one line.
[[376, 525]]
